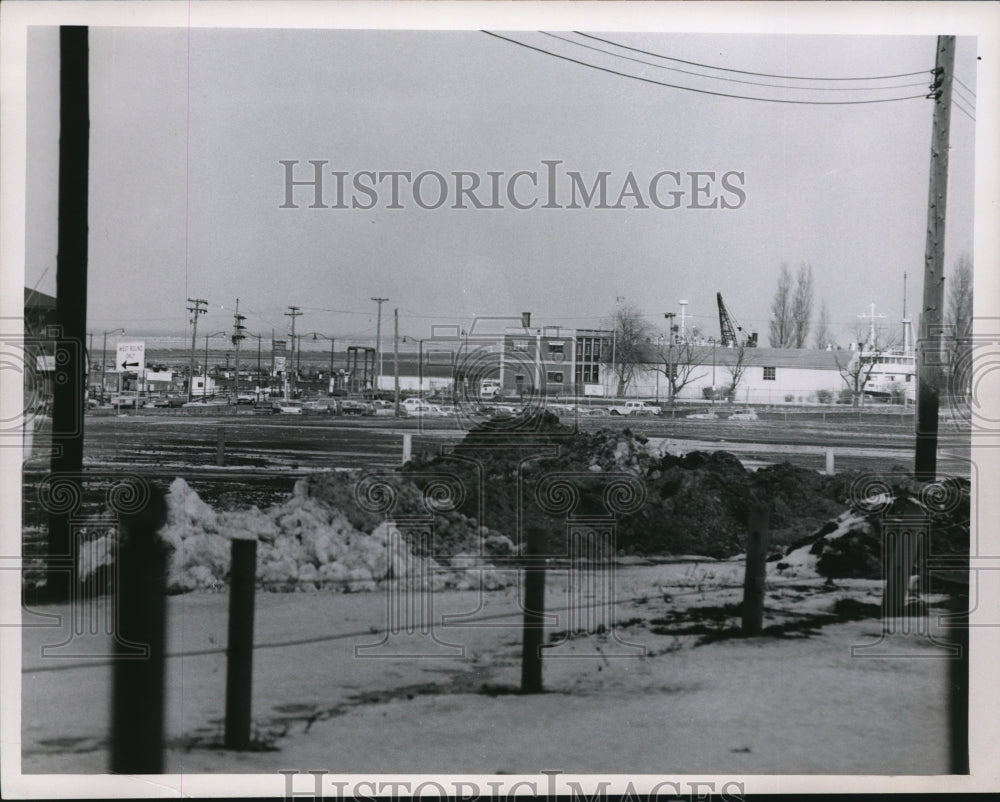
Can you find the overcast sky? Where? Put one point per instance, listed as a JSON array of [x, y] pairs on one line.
[[188, 129]]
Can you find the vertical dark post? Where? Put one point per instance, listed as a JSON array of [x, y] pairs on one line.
[[220, 446], [71, 288], [534, 611], [957, 632], [931, 317], [756, 571], [137, 692], [239, 654], [896, 565]]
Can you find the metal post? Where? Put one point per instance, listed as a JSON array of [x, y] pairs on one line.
[[395, 356], [534, 612], [239, 652], [407, 447], [756, 571]]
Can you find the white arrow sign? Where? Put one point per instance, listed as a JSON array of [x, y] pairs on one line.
[[130, 358]]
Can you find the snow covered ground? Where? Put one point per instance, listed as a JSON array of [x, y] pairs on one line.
[[647, 699]]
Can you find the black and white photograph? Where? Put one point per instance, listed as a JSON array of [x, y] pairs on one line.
[[410, 399]]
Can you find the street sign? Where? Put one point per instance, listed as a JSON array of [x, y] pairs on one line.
[[131, 358]]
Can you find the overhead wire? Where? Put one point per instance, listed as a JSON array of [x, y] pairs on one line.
[[750, 72], [736, 80], [958, 106], [704, 91], [960, 81]]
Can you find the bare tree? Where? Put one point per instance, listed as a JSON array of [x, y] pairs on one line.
[[959, 312], [802, 302], [678, 363], [856, 366], [630, 332], [856, 369], [743, 358], [781, 310], [822, 335]]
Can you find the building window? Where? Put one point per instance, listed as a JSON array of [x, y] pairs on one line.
[[519, 345], [770, 374], [554, 377], [556, 348]]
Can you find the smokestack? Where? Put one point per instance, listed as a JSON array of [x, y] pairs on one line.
[[526, 320]]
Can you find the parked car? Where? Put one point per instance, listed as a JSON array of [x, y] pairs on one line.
[[351, 407], [289, 407], [702, 416], [634, 408], [744, 414]]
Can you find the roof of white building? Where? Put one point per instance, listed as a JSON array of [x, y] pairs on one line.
[[797, 358]]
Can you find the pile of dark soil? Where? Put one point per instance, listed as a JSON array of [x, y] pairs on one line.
[[694, 504], [934, 514]]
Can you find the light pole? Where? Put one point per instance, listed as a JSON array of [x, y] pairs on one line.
[[204, 386], [316, 336], [420, 364], [712, 340], [259, 338], [378, 341], [670, 357], [104, 356]]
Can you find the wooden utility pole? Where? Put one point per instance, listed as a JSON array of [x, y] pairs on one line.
[[71, 292], [929, 351], [196, 310], [292, 313]]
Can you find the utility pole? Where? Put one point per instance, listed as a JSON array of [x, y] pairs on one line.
[[929, 357], [238, 337], [196, 311], [293, 313], [71, 299], [395, 355], [378, 339]]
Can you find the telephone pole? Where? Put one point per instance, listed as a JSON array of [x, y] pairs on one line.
[[395, 356], [378, 339], [293, 313], [238, 337], [196, 310], [929, 352]]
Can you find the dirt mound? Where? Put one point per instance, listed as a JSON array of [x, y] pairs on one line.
[[695, 503], [851, 546]]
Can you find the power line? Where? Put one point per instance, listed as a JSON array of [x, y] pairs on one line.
[[955, 103], [959, 95], [736, 80], [960, 81], [750, 72], [704, 91]]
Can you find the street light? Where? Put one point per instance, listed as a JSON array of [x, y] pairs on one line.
[[104, 356], [420, 364], [712, 340], [316, 335], [670, 356], [204, 386]]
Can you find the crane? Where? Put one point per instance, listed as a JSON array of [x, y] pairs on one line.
[[729, 328]]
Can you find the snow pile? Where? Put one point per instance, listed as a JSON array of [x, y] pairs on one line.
[[303, 544], [846, 546]]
